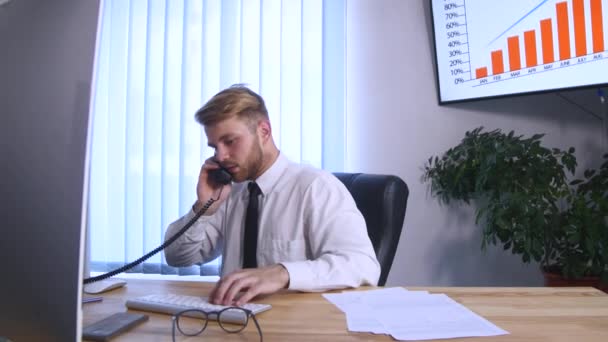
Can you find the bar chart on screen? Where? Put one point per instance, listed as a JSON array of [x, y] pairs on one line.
[[488, 48]]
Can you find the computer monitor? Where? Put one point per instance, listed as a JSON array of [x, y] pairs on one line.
[[46, 72]]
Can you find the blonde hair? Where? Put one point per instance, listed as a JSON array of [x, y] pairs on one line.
[[237, 100]]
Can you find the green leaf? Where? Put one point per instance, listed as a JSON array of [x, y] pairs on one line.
[[589, 173], [537, 136]]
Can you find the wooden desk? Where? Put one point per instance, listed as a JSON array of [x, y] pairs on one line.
[[529, 314]]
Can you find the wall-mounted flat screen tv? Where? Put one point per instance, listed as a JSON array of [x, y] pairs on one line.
[[490, 48]]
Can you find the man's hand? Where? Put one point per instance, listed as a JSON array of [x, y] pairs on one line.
[[251, 282], [206, 189]]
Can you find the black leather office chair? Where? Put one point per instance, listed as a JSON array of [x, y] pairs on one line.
[[382, 200]]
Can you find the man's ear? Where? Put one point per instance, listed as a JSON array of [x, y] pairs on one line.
[[264, 130]]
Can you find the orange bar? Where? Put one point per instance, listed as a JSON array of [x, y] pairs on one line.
[[530, 45], [546, 36], [514, 55], [498, 66], [580, 36], [563, 30], [597, 26], [481, 72]]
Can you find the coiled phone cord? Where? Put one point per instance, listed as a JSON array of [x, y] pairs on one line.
[[159, 248]]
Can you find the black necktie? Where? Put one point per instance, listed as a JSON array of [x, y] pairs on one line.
[[251, 228]]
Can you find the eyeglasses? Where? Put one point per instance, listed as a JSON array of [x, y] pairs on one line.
[[232, 320]]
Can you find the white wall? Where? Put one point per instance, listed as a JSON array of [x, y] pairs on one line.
[[394, 124]]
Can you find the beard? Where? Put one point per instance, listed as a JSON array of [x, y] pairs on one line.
[[253, 164]]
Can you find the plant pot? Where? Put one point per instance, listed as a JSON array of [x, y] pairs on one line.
[[555, 279]]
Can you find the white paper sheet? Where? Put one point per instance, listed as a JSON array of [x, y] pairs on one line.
[[410, 315]]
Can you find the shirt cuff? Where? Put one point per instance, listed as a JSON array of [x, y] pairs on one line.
[[300, 276]]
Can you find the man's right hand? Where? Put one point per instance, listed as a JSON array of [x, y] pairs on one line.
[[207, 189]]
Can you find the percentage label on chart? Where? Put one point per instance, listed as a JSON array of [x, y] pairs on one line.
[[451, 25], [454, 53], [450, 6], [457, 40]]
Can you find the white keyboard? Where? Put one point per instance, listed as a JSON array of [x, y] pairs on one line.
[[173, 303]]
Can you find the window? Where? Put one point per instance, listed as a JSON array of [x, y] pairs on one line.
[[157, 62]]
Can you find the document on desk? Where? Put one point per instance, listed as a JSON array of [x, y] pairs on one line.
[[410, 315]]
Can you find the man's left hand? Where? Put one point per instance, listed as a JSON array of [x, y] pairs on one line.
[[241, 286]]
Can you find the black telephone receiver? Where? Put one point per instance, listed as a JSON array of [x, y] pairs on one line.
[[220, 176]]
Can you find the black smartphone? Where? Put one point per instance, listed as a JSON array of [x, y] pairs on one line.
[[111, 326], [220, 176]]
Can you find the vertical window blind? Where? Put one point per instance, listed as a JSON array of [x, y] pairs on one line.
[[157, 62]]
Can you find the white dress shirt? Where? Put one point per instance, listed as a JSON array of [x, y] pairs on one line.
[[308, 222]]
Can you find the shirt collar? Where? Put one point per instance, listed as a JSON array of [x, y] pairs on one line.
[[270, 177]]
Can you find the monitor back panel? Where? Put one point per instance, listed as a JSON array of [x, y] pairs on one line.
[[46, 68]]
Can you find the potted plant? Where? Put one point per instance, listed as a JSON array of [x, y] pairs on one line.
[[524, 200]]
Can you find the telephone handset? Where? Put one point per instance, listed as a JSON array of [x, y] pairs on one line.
[[220, 176]]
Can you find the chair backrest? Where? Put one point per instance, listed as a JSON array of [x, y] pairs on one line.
[[382, 200]]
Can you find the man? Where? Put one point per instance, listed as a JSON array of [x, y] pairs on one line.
[[310, 234]]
